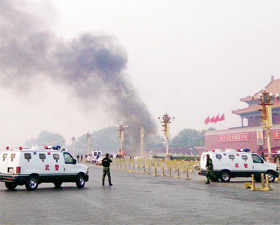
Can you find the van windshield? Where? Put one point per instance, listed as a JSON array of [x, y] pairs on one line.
[[257, 159]]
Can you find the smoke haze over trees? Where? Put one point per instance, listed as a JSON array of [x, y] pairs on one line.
[[107, 140], [45, 138], [91, 67]]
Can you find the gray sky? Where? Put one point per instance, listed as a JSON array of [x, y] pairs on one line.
[[188, 58]]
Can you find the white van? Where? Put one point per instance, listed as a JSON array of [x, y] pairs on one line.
[[231, 163], [30, 167]]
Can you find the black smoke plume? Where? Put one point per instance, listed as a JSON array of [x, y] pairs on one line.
[[91, 66]]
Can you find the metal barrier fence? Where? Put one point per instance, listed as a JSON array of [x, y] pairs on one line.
[[158, 167]]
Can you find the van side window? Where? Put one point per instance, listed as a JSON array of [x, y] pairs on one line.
[[256, 159], [232, 157], [68, 158], [13, 155], [4, 156], [42, 156], [219, 156], [27, 156], [56, 157]]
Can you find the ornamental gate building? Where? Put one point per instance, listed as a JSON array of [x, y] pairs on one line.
[[250, 134]]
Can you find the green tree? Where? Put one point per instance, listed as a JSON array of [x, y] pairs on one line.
[[188, 138]]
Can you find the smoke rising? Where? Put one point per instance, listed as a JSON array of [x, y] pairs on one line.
[[91, 66]]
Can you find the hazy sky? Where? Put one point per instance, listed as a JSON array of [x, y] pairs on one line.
[[188, 58]]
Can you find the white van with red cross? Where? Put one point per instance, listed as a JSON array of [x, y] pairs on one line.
[[232, 163], [30, 167]]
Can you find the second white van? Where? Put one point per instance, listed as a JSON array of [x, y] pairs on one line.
[[231, 163]]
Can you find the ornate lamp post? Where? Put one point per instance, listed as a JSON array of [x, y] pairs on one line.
[[265, 99], [165, 121]]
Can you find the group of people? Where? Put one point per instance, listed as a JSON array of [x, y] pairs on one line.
[[80, 157]]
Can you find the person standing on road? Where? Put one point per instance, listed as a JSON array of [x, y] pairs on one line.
[[210, 172], [106, 169], [78, 157]]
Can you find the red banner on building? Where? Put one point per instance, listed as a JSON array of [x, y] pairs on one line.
[[233, 137]]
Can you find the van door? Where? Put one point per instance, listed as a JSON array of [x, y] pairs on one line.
[[258, 163], [246, 164], [69, 167], [27, 162], [3, 162], [57, 163]]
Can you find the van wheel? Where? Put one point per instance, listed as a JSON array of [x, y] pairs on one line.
[[11, 185], [271, 177], [80, 182], [225, 176], [57, 184], [32, 183]]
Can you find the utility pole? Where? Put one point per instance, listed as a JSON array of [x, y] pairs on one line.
[[165, 121]]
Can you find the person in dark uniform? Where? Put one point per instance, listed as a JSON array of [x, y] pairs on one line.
[[210, 172], [78, 158], [106, 169]]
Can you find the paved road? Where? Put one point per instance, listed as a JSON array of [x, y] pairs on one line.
[[138, 199]]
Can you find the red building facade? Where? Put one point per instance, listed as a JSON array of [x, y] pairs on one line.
[[251, 134]]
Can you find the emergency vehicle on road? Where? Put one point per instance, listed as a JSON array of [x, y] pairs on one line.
[[232, 163], [30, 167]]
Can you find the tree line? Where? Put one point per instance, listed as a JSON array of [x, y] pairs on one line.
[[107, 140]]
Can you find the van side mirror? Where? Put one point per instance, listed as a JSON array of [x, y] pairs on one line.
[[74, 161]]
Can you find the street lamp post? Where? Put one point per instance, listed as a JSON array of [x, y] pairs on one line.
[[265, 100], [165, 121], [88, 142], [121, 130], [73, 145], [142, 141]]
